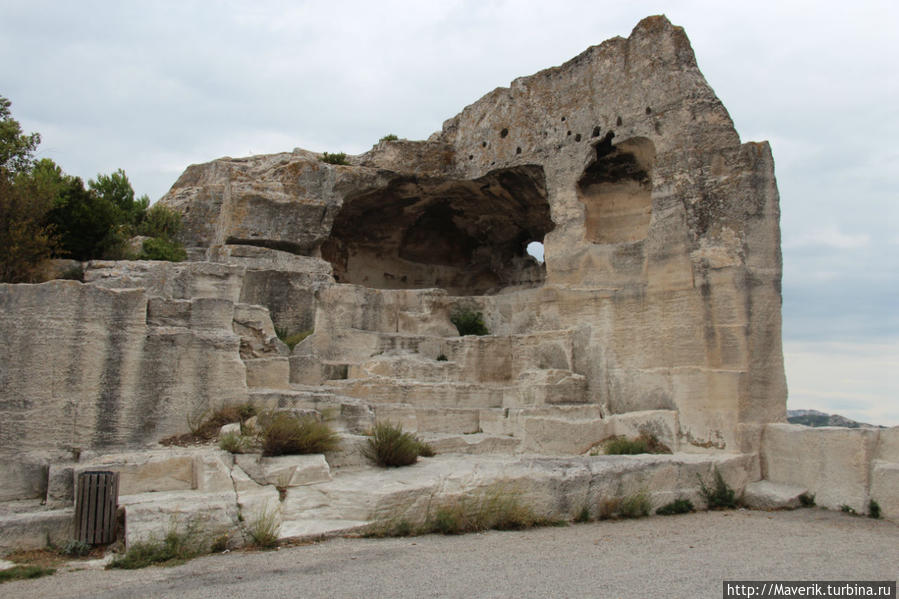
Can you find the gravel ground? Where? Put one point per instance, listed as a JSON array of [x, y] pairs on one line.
[[684, 556]]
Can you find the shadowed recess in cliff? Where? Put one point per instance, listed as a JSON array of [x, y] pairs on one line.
[[469, 237], [616, 191]]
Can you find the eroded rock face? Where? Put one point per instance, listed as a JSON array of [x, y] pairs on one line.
[[466, 236], [660, 229], [660, 291]]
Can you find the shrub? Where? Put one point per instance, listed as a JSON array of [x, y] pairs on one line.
[[847, 509], [160, 221], [807, 500], [636, 505], [442, 358], [336, 158], [285, 434], [721, 496], [469, 322], [873, 510], [291, 339], [389, 446], [159, 248], [389, 137], [24, 572], [678, 506], [175, 548]]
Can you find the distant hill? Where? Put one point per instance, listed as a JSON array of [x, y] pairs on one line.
[[816, 418]]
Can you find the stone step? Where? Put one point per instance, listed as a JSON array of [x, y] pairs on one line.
[[475, 443], [553, 488], [532, 387], [489, 358], [345, 413]]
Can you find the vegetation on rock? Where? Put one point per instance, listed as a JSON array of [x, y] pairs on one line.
[[285, 434], [291, 339], [469, 322], [644, 443], [389, 446], [719, 496], [24, 572], [176, 548], [678, 506], [335, 158]]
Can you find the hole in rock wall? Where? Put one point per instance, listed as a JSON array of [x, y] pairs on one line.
[[535, 249], [616, 190], [469, 237]]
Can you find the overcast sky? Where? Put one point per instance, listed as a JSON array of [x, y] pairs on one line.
[[152, 87]]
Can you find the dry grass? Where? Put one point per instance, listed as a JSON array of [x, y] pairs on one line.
[[205, 427], [285, 434]]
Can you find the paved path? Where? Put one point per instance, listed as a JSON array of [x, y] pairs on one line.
[[677, 556]]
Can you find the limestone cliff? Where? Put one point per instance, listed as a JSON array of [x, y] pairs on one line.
[[661, 230]]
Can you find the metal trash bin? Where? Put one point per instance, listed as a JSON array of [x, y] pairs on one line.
[[96, 502]]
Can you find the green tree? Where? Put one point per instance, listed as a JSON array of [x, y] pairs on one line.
[[89, 225], [26, 239], [160, 221], [26, 195], [116, 189], [16, 149]]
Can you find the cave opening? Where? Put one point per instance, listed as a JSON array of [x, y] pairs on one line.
[[469, 237], [616, 190]]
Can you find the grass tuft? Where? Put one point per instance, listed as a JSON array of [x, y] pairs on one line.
[[720, 496], [874, 510], [76, 548], [678, 506], [206, 426], [234, 443], [24, 573], [583, 515], [389, 137], [636, 505], [264, 528], [390, 447], [285, 434], [644, 443], [176, 548]]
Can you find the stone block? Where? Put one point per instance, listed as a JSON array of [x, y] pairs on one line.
[[285, 471], [146, 472], [765, 495], [832, 463], [887, 445], [268, 373], [149, 517], [23, 477], [34, 530], [662, 424], [885, 488], [212, 472]]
